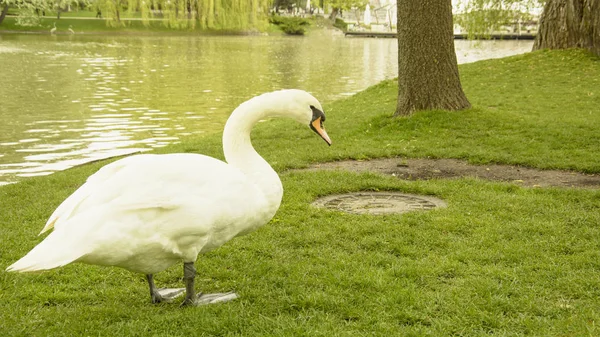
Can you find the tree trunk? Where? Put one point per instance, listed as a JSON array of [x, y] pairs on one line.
[[334, 14], [427, 67], [4, 11], [570, 24]]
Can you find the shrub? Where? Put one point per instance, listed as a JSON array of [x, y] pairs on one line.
[[290, 25], [339, 23]]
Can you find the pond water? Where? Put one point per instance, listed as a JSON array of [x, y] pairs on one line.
[[68, 100]]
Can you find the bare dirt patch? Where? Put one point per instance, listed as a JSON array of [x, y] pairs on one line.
[[416, 169]]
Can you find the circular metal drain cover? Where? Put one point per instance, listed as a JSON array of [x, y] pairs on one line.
[[378, 202]]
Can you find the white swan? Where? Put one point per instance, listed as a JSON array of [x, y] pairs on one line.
[[70, 29], [53, 30], [147, 212]]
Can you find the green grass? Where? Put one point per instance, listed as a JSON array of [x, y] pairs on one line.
[[92, 14], [93, 25], [84, 26], [538, 110], [88, 14], [500, 260], [51, 14]]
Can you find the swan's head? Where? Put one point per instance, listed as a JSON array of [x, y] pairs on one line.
[[304, 108]]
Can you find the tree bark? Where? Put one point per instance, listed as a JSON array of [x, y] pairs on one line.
[[570, 24], [334, 13], [427, 66], [4, 11]]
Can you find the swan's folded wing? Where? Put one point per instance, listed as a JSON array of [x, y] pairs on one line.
[[64, 211], [160, 182]]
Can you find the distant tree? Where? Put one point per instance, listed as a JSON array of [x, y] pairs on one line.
[[427, 66], [570, 24], [563, 23], [60, 5], [4, 6], [208, 14], [288, 4], [112, 10], [29, 10], [482, 17], [184, 14], [338, 5]]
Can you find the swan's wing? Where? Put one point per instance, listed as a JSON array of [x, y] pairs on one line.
[[94, 182], [182, 184], [161, 206], [149, 182]]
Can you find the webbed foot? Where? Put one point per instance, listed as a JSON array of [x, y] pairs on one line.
[[166, 294], [204, 299], [162, 294]]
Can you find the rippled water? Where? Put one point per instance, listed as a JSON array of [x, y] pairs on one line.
[[68, 100]]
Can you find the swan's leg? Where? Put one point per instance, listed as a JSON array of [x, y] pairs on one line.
[[162, 294], [189, 274]]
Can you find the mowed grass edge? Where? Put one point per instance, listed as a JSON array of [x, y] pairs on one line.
[[500, 260]]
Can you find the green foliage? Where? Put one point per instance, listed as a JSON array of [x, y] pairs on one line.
[[290, 25], [340, 24], [233, 15], [112, 11], [29, 11], [345, 4], [293, 28], [277, 19], [500, 260], [480, 18]]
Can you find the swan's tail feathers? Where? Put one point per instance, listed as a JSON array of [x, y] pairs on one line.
[[49, 225], [51, 253]]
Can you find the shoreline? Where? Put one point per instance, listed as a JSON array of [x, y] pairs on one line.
[[129, 26], [140, 33], [527, 36]]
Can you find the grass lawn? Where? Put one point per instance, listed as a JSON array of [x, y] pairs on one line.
[[499, 260]]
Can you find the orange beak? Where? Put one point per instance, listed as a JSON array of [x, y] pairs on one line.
[[317, 126]]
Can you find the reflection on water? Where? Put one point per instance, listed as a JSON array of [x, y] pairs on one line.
[[68, 100]]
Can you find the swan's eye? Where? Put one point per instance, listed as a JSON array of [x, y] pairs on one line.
[[317, 114]]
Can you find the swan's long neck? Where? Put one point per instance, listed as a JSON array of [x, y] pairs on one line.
[[240, 153]]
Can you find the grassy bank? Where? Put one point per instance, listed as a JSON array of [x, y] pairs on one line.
[[500, 260], [78, 25], [94, 26], [83, 22]]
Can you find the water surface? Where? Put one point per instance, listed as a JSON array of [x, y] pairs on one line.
[[68, 100]]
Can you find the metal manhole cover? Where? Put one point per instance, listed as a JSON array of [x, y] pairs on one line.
[[378, 202]]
